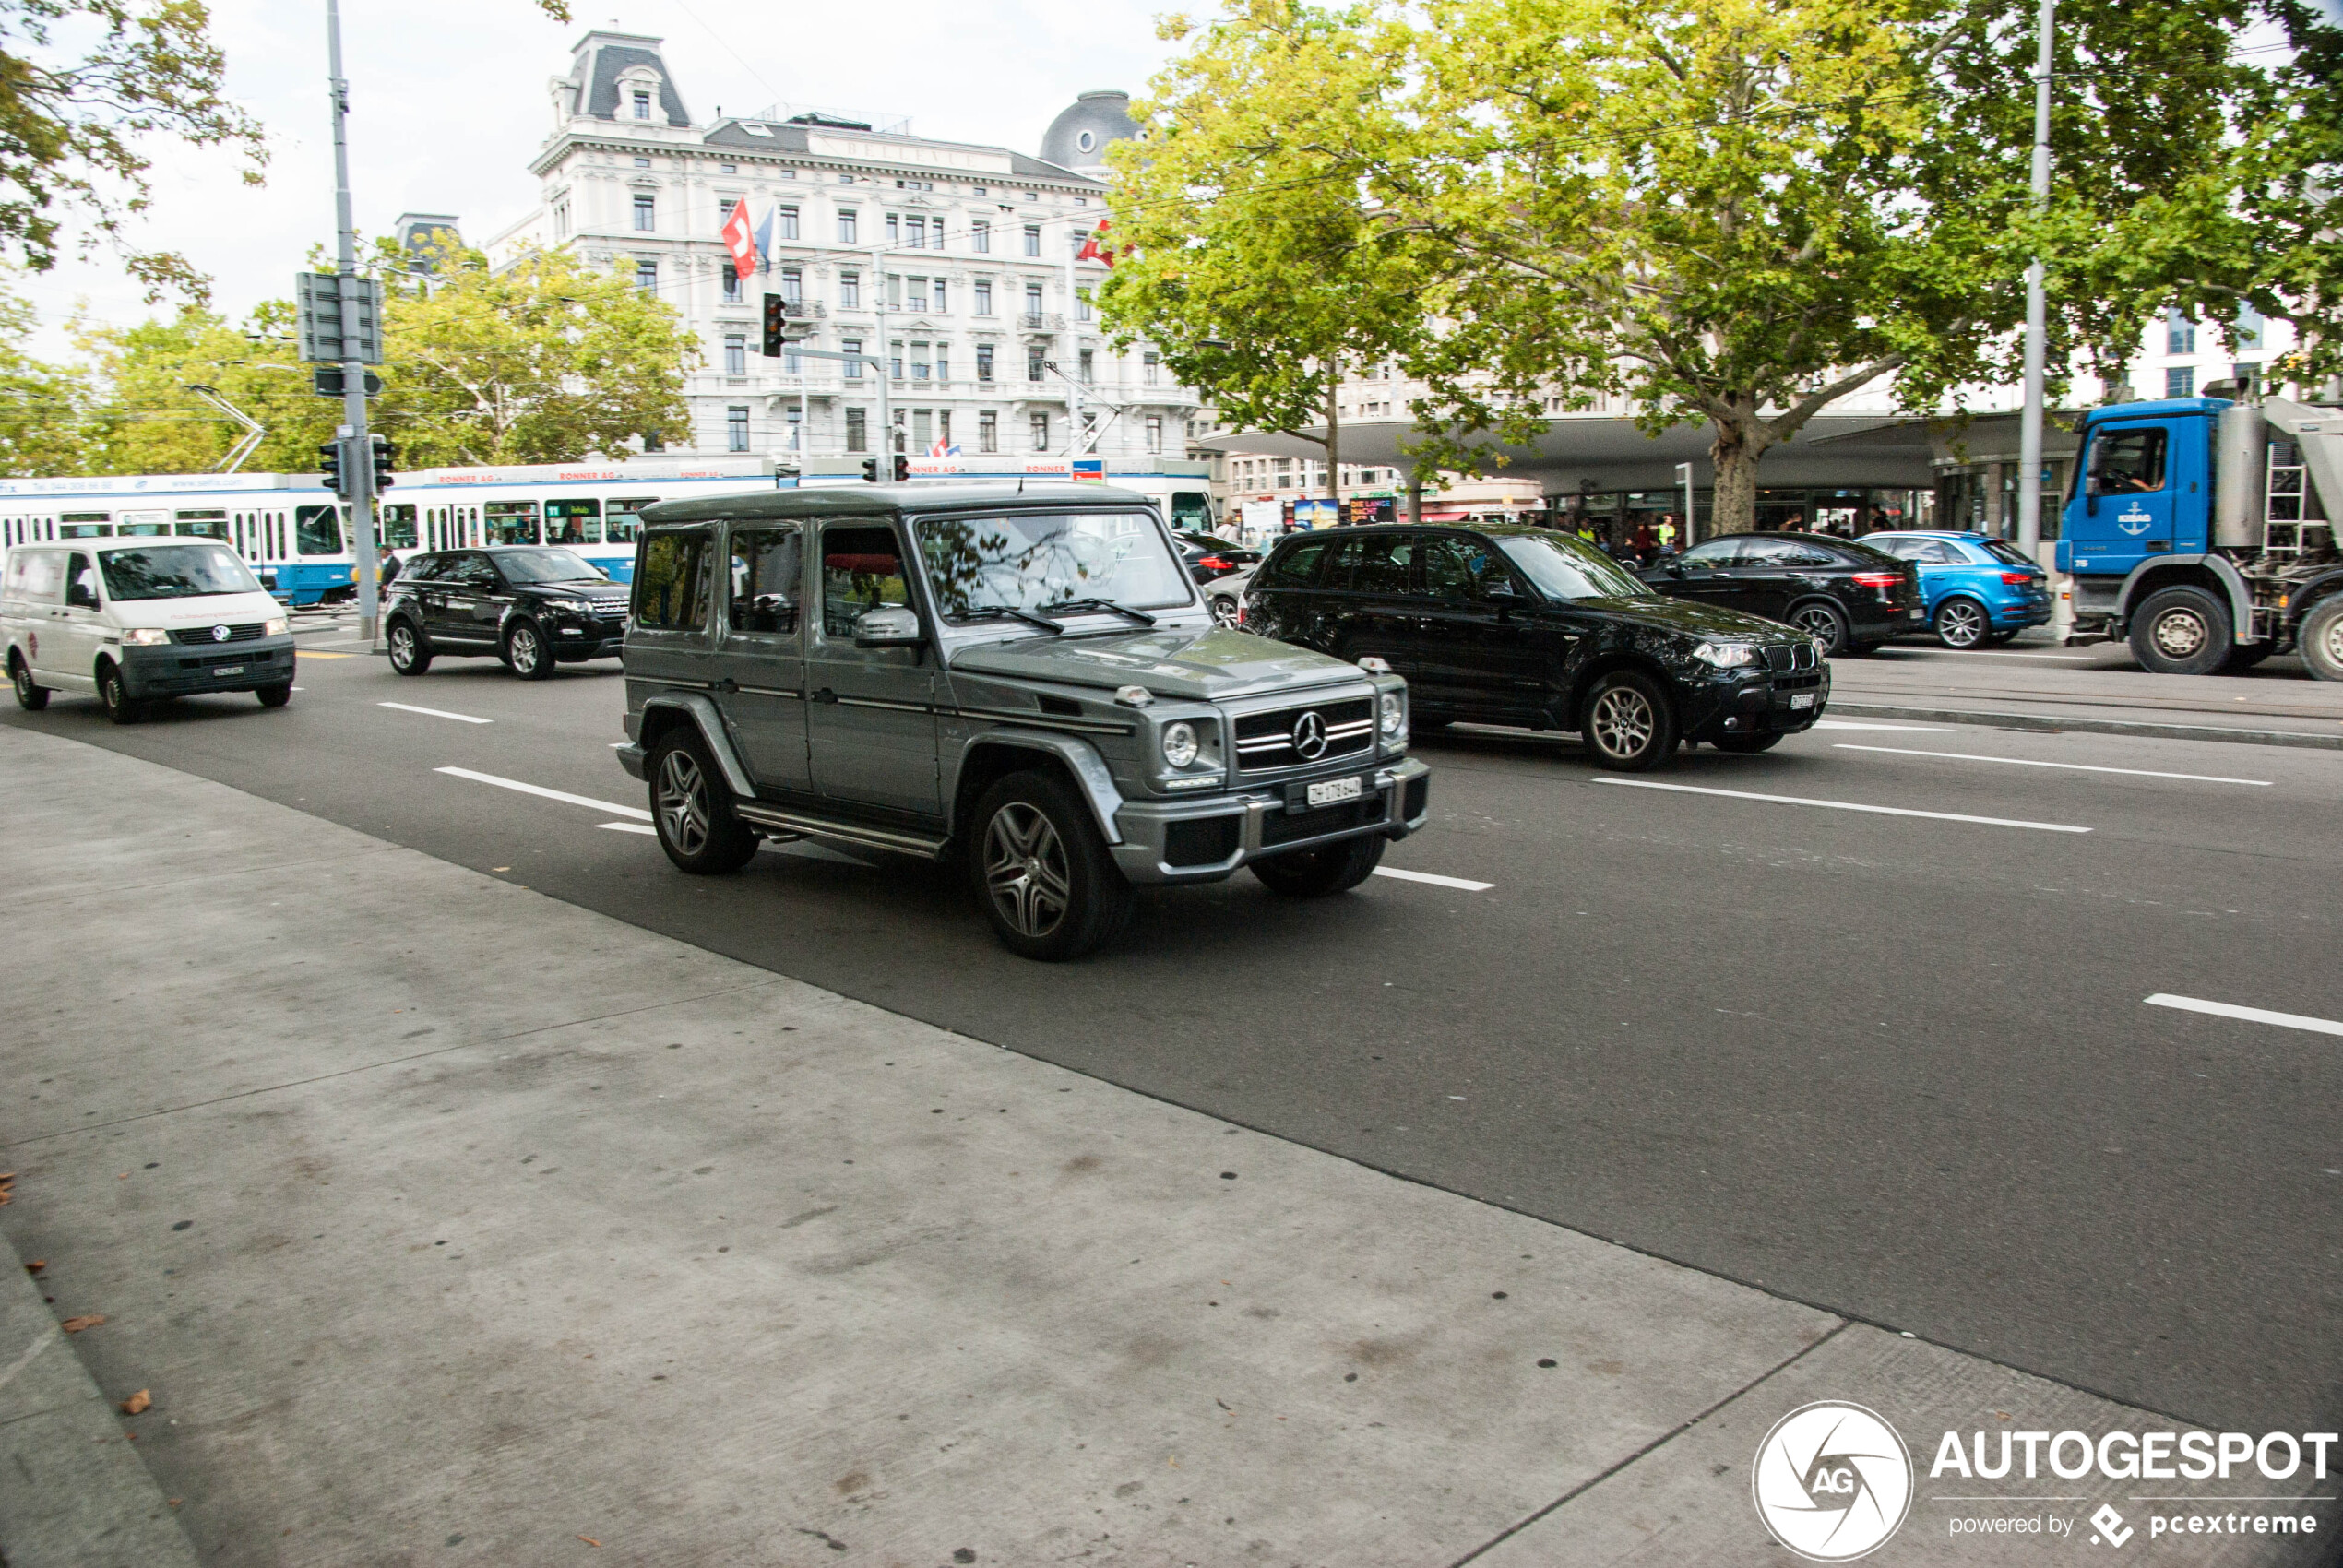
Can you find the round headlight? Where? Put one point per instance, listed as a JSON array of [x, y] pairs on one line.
[[1395, 713], [1179, 743]]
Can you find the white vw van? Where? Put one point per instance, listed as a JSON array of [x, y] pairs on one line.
[[131, 621]]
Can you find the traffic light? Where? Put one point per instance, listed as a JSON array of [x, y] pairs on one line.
[[776, 318], [869, 470], [331, 468], [383, 459], [902, 468]]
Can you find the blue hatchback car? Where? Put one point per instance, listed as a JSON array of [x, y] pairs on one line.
[[1977, 591]]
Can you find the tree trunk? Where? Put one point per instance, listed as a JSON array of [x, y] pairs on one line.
[[1415, 494], [1734, 456]]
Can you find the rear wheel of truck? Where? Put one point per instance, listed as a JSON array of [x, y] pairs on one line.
[[1041, 870], [2181, 631], [2321, 641]]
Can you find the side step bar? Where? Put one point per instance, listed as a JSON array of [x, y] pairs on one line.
[[772, 820]]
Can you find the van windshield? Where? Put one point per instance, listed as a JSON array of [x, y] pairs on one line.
[[175, 571]]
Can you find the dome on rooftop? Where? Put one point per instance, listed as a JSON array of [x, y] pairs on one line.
[[1078, 138]]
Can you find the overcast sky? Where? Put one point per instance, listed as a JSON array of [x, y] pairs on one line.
[[448, 103]]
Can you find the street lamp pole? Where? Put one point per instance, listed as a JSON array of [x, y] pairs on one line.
[[2029, 439], [357, 450]]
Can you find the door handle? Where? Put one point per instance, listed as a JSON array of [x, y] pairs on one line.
[[726, 685], [2153, 544], [824, 693]]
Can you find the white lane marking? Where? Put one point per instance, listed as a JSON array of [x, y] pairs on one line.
[[636, 811], [629, 827], [2250, 1015], [617, 745], [435, 713], [1846, 805], [1852, 724], [2070, 767], [1983, 653], [1457, 882]]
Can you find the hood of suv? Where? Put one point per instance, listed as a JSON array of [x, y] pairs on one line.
[[1196, 664], [1690, 617], [592, 590]]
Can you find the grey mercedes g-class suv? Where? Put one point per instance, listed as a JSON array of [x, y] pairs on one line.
[[1023, 676]]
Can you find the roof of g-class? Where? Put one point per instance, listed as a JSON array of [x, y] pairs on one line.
[[893, 500]]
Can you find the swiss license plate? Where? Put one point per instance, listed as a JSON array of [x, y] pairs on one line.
[[229, 670], [1334, 791], [1802, 699]]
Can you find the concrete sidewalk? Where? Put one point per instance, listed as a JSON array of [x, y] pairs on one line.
[[450, 1224]]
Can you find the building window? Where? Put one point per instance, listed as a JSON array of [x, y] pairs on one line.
[[729, 168], [731, 285], [642, 104], [846, 227], [915, 233], [858, 438], [796, 430], [1149, 367], [944, 428], [988, 432], [941, 307], [642, 163], [561, 219], [2180, 335], [736, 430], [2249, 327], [850, 290], [735, 356], [918, 294], [852, 346], [1087, 363], [919, 361], [922, 429], [787, 223], [984, 296], [1040, 432], [645, 214], [894, 228], [943, 362], [981, 236], [792, 362], [1033, 363], [985, 362], [897, 444], [646, 276], [1082, 304], [895, 361], [1033, 304], [895, 290], [1155, 433], [2180, 380], [1033, 239], [793, 285]]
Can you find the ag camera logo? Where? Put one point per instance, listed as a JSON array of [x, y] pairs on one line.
[[1832, 1481]]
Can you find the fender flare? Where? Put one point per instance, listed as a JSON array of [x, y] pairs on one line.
[[2241, 597], [712, 734], [1091, 772]]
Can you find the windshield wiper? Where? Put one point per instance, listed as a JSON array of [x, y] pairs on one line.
[[1001, 611], [1075, 606]]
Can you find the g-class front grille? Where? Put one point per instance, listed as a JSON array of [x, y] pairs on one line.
[[1298, 737]]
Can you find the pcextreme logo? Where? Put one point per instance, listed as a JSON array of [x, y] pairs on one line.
[[1832, 1481]]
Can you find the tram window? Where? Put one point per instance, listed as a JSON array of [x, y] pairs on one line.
[[317, 531], [202, 525], [624, 525], [85, 525], [397, 528], [143, 525], [573, 522], [512, 522]]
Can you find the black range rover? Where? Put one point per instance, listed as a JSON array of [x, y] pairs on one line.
[[532, 606], [1528, 626]]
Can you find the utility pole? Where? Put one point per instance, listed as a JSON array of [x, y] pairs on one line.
[[2029, 438], [886, 357], [358, 447]]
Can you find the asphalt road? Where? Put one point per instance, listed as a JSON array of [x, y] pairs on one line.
[[1900, 1066]]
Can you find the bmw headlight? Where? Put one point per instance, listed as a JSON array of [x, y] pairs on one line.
[[1726, 656], [1179, 743], [1394, 715]]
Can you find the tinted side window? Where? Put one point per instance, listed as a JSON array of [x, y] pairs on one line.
[[1375, 564], [1715, 553], [671, 584], [476, 571], [1461, 568], [1785, 553], [2124, 460], [766, 563], [862, 569], [81, 583], [1294, 566]]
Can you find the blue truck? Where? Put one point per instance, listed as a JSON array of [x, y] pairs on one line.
[[2199, 530]]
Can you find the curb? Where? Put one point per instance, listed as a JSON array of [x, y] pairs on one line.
[[2094, 725], [73, 1493]]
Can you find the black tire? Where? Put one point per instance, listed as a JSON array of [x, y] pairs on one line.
[[1962, 624], [692, 808], [1323, 872], [1823, 621], [525, 653], [1042, 871], [1746, 745], [409, 654], [2321, 644], [276, 695], [2181, 631], [1629, 724], [114, 695], [31, 698]]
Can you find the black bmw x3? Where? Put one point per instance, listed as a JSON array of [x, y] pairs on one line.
[[1529, 627]]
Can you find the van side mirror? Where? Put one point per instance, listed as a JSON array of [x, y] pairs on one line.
[[889, 625]]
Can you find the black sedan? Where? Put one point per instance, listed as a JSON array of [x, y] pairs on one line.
[[1527, 626], [1208, 558], [1848, 596], [532, 606]]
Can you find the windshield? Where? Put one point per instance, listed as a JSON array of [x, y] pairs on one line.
[[545, 566], [175, 571], [1032, 560], [1564, 567]]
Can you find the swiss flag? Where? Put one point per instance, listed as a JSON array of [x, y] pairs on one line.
[[738, 239], [1094, 247]]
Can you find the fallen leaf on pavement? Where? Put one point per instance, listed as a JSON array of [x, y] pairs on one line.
[[137, 1402], [590, 1540], [36, 1266], [76, 1324]]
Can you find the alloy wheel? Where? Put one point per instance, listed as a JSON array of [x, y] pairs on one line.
[[1623, 721], [2179, 632], [683, 802], [1820, 624], [1025, 870], [1960, 624], [527, 650], [1225, 613], [403, 645]]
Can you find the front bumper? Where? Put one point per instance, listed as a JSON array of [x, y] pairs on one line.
[[577, 637], [1205, 840], [177, 669], [1768, 706]]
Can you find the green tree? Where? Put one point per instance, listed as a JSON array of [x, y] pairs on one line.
[[146, 420], [1252, 255], [44, 424]]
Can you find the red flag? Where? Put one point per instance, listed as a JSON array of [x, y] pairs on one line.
[[738, 239], [1093, 249]]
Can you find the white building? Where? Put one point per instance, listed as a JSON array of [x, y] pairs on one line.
[[952, 262]]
